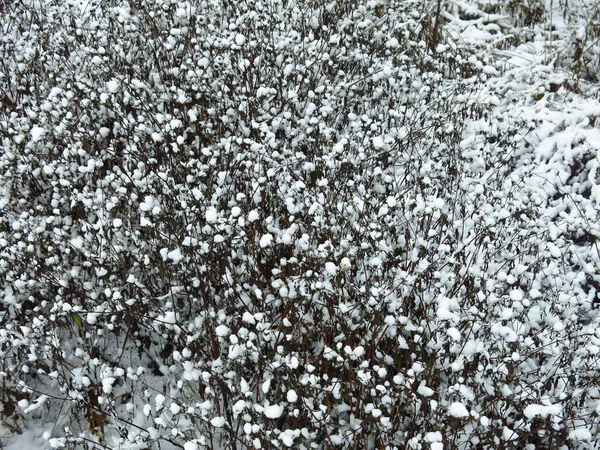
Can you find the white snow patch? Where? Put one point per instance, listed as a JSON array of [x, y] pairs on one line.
[[273, 411], [378, 142], [291, 396], [113, 86], [434, 436], [266, 240], [36, 404], [266, 386], [331, 268], [580, 434], [175, 255], [459, 410], [169, 318], [91, 318], [211, 214], [107, 384], [159, 399], [509, 435], [217, 422], [222, 330], [516, 295], [240, 39], [37, 133], [239, 406], [28, 439], [542, 410], [425, 391], [345, 264], [454, 334], [287, 437]]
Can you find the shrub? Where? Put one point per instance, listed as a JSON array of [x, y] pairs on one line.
[[257, 225], [582, 45]]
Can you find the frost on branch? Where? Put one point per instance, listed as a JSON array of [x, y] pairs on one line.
[[288, 224]]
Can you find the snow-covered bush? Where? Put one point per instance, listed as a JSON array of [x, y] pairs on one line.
[[580, 50], [570, 30], [284, 224]]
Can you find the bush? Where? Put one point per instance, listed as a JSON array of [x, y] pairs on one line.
[[582, 45], [263, 225]]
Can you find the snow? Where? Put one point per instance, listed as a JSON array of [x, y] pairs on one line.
[[36, 404], [217, 422], [92, 318], [425, 391], [266, 386], [266, 240], [434, 436], [287, 437], [240, 39], [291, 396], [175, 255], [458, 410], [331, 268], [239, 407], [28, 439], [211, 214], [338, 208], [37, 133], [516, 295], [542, 410], [159, 399], [345, 264], [169, 317], [509, 435], [107, 384], [580, 434], [273, 411], [222, 330], [378, 142], [454, 334], [175, 408], [113, 86]]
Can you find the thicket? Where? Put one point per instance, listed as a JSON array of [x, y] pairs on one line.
[[242, 224]]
